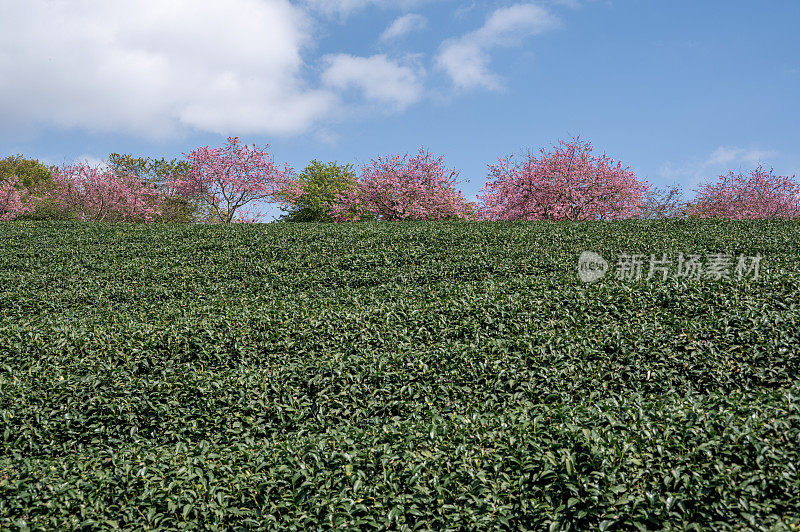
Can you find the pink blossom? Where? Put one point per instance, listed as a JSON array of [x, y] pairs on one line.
[[756, 195], [15, 200], [228, 178], [566, 183], [402, 188], [101, 195]]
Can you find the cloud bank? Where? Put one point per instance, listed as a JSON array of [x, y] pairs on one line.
[[158, 69], [154, 68]]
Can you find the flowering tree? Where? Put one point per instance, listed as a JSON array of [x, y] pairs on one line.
[[402, 188], [15, 199], [33, 183], [155, 172], [759, 194], [226, 179], [101, 195], [566, 183]]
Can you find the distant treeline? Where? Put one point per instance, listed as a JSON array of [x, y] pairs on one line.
[[227, 184]]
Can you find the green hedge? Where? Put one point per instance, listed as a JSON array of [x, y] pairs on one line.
[[452, 375]]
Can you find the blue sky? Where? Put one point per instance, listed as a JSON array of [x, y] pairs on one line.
[[679, 90]]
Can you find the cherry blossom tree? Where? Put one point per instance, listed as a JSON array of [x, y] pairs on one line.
[[33, 180], [156, 172], [94, 194], [15, 199], [398, 187], [226, 179], [565, 183], [759, 194]]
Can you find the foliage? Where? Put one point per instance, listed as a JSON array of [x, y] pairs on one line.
[[451, 375], [30, 172], [565, 183], [759, 194], [397, 188], [158, 173], [662, 203], [34, 183], [320, 182], [155, 171], [226, 180], [15, 200], [101, 195]]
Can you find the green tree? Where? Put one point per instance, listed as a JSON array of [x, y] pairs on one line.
[[30, 172], [38, 179], [173, 208], [320, 182]]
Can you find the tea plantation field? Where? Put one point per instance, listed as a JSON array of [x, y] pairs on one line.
[[454, 375]]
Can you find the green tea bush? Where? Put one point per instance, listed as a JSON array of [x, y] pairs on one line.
[[449, 375]]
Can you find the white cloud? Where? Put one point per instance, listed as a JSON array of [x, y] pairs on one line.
[[157, 68], [377, 77], [719, 161], [339, 7], [467, 64], [465, 8], [466, 59], [404, 25], [343, 8], [729, 154], [91, 160]]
